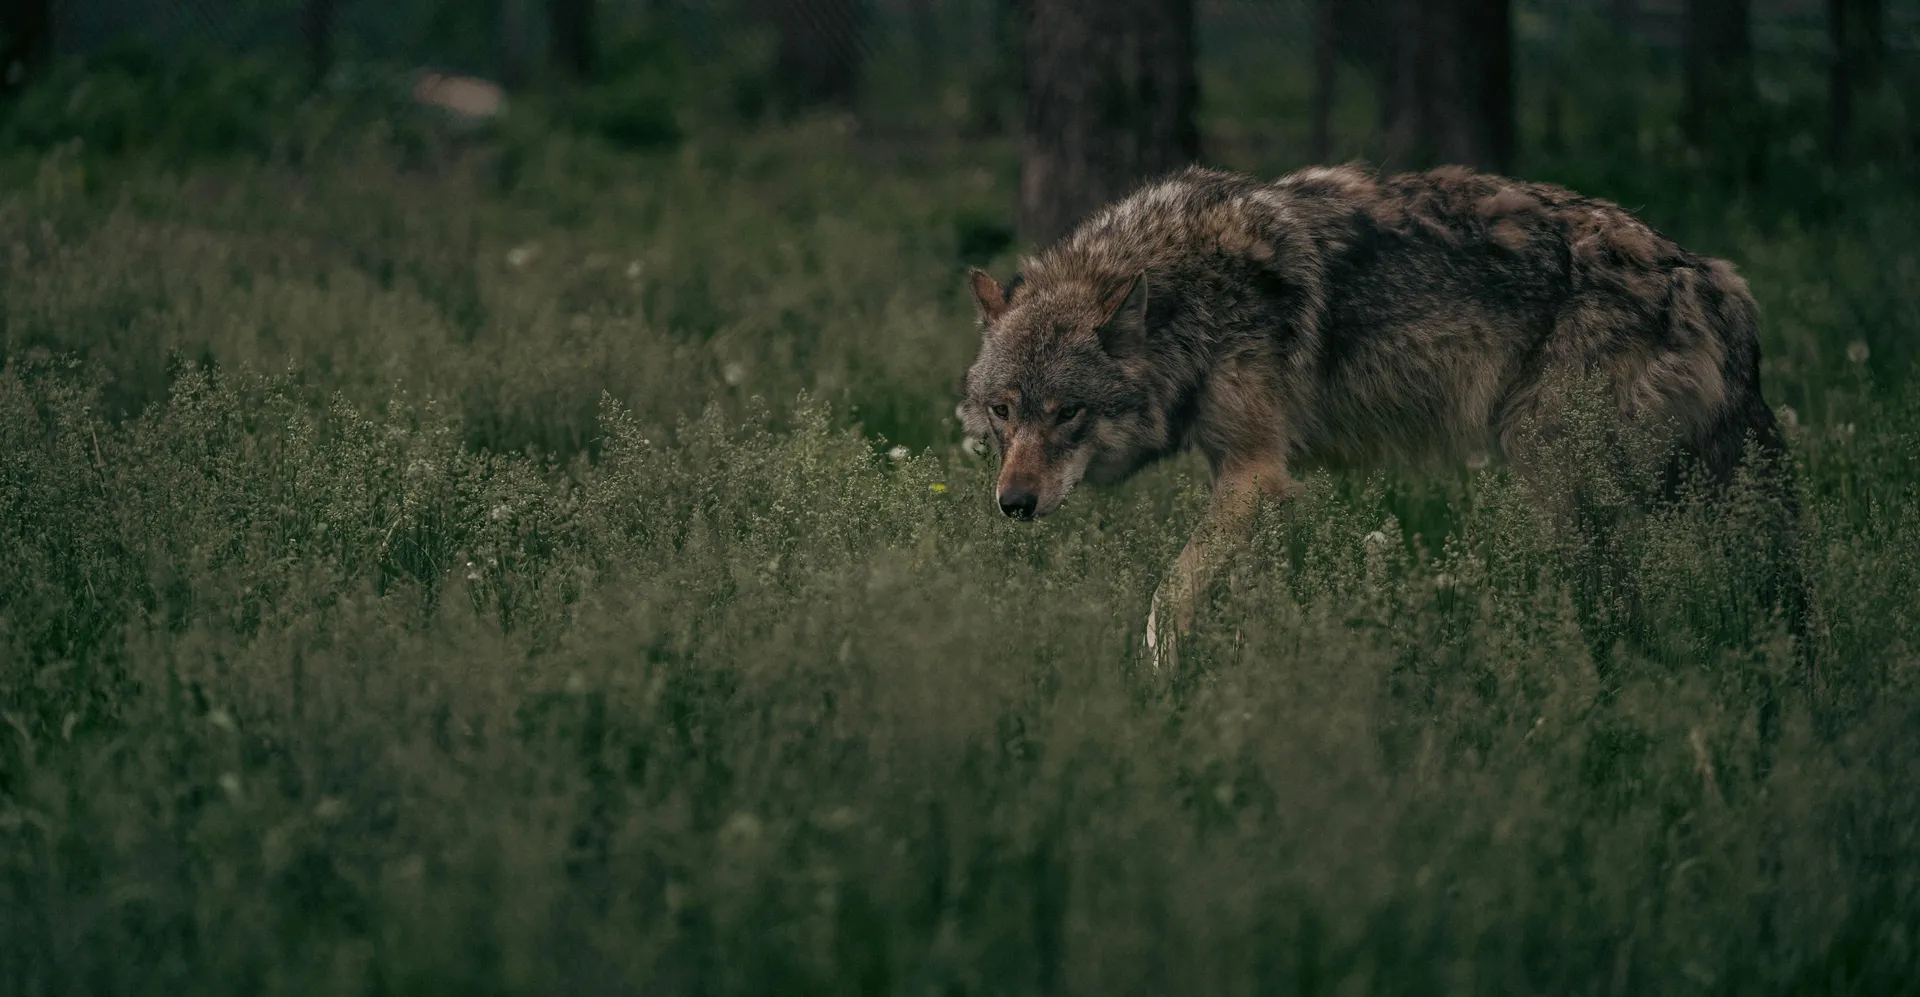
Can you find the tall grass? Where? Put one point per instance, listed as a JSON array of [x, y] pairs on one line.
[[478, 565]]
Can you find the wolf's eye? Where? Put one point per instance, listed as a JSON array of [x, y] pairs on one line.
[[1000, 411], [1068, 413]]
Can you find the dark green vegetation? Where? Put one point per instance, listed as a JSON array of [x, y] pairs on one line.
[[401, 591]]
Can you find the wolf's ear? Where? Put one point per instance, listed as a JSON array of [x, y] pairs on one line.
[[1123, 310], [988, 299]]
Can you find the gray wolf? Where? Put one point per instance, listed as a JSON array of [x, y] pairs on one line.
[[1338, 317]]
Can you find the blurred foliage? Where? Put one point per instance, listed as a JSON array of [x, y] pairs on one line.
[[131, 98]]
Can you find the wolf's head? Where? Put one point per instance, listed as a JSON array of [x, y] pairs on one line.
[[1061, 387]]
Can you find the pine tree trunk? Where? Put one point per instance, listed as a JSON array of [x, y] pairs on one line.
[[1858, 31], [1719, 70], [923, 20], [26, 39], [1622, 15], [572, 36], [513, 43], [1448, 96], [821, 49], [317, 27], [1326, 68], [1111, 94]]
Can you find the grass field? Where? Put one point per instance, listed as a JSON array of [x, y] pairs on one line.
[[481, 563]]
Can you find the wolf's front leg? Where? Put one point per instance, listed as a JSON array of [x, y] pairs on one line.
[[1237, 493]]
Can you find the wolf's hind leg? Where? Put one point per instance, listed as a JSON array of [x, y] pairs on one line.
[[1238, 490]]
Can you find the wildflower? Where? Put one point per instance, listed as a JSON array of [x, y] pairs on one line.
[[520, 256], [733, 373], [1857, 351], [634, 269], [220, 718], [230, 783], [898, 453], [938, 488], [1376, 539], [1789, 418]]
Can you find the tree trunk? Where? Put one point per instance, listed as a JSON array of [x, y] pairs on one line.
[[1858, 29], [1622, 16], [513, 44], [26, 39], [821, 49], [1111, 94], [316, 24], [923, 22], [1719, 72], [572, 35], [1326, 68], [1448, 97]]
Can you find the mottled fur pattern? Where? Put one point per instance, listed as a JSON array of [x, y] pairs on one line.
[[1339, 317]]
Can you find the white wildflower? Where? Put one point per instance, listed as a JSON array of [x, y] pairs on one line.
[[1857, 352], [733, 373], [520, 256], [898, 453]]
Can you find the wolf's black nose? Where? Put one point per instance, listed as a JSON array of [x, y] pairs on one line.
[[1019, 505]]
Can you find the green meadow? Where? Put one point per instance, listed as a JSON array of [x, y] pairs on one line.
[[541, 558]]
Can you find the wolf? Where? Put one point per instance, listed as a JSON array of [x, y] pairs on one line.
[[1345, 318]]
